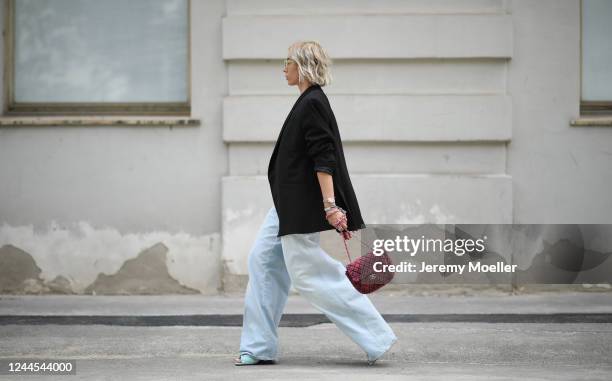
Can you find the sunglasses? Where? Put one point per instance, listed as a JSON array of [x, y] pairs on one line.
[[287, 61]]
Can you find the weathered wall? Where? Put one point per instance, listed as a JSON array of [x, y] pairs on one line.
[[451, 111], [420, 95], [81, 201], [560, 173]]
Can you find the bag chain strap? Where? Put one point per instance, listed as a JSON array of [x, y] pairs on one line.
[[346, 246]]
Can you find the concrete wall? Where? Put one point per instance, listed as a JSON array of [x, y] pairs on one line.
[[451, 111], [560, 173], [421, 98], [83, 200]]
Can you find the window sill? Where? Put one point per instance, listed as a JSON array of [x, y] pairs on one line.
[[96, 121], [599, 121]]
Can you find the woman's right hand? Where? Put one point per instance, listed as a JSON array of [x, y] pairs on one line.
[[337, 219]]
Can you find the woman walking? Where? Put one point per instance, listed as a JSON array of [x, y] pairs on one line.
[[312, 192]]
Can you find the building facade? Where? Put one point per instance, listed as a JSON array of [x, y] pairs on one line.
[[135, 162]]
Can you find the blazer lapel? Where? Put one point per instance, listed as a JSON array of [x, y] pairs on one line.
[[287, 120]]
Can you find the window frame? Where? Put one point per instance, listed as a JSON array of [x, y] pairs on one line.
[[12, 108], [590, 107]]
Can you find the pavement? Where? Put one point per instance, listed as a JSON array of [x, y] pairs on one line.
[[499, 336]]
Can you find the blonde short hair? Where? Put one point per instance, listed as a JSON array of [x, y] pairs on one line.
[[313, 62]]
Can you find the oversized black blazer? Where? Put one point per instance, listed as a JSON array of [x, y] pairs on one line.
[[309, 141]]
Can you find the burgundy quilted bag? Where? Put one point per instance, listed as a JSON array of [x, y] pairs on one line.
[[361, 271]]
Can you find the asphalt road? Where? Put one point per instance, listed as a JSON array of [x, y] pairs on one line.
[[424, 351], [548, 336]]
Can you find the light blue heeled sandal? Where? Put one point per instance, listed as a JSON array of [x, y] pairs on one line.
[[247, 359]]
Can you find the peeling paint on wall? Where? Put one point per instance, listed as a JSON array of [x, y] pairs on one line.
[[243, 223], [18, 271], [145, 274], [71, 258], [19, 274], [231, 215]]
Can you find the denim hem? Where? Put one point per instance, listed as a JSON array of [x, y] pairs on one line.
[[258, 357], [384, 351]]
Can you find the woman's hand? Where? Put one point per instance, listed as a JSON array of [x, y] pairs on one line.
[[337, 219]]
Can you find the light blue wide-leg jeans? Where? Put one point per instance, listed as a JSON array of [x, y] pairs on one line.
[[274, 264]]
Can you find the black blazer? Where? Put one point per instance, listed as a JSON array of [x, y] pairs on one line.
[[309, 141]]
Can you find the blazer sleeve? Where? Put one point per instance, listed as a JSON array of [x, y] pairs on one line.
[[320, 141]]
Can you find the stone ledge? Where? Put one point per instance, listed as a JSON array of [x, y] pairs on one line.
[[97, 121], [602, 121]]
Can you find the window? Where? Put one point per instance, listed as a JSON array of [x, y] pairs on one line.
[[97, 57], [596, 52]]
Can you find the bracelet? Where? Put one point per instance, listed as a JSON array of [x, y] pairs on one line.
[[331, 211], [334, 207]]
